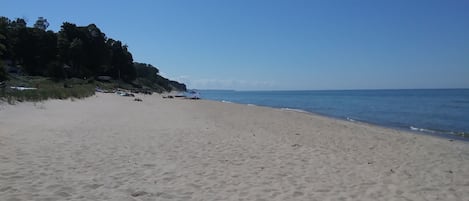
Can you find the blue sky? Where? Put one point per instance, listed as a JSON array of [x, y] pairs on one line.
[[280, 45]]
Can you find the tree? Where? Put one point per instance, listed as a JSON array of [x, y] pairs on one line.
[[84, 49], [4, 25], [122, 62], [33, 49], [146, 71], [19, 23], [75, 51], [3, 74], [65, 37], [41, 23], [98, 52], [149, 74]]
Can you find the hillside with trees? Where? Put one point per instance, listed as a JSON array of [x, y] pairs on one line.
[[74, 52]]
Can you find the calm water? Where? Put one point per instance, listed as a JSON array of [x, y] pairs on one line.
[[437, 111]]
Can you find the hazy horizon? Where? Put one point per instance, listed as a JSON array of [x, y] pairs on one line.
[[254, 90], [281, 45]]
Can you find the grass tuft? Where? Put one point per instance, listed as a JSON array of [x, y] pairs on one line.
[[46, 89]]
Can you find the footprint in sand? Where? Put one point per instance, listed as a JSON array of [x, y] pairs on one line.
[[6, 174], [4, 189], [298, 194], [65, 192], [138, 193], [92, 186], [62, 194]]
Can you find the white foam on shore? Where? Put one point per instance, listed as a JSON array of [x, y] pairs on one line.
[[251, 104], [350, 119], [421, 129], [224, 101], [294, 110]]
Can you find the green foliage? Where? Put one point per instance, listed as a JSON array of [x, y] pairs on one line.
[[148, 76], [41, 23], [46, 89], [121, 62], [87, 51], [74, 52], [146, 70], [3, 74]]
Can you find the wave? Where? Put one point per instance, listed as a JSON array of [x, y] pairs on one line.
[[294, 110], [447, 133], [249, 104], [350, 119], [224, 101], [422, 129]]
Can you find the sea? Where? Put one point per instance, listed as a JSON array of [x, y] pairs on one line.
[[441, 112]]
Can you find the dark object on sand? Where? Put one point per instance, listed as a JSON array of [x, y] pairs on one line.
[[296, 145], [180, 95], [139, 193], [138, 99], [143, 91]]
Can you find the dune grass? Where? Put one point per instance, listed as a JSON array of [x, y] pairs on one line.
[[45, 89]]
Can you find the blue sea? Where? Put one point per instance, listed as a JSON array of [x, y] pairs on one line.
[[443, 112]]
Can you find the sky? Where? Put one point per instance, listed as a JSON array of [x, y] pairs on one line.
[[281, 45]]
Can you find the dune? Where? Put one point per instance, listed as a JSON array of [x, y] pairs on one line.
[[108, 147]]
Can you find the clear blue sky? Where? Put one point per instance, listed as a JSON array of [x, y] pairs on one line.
[[276, 45]]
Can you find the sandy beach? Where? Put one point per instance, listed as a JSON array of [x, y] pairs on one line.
[[108, 147]]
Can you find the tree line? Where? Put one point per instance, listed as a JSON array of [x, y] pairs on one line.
[[73, 52]]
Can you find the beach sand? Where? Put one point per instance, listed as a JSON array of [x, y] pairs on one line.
[[108, 147]]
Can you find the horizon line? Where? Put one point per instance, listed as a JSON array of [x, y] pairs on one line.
[[358, 89]]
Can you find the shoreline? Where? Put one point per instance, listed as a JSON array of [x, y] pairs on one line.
[[417, 131], [462, 136], [431, 133], [108, 147]]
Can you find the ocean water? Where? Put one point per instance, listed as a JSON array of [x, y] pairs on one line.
[[443, 112]]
